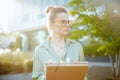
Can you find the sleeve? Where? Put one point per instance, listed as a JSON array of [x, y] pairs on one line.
[[81, 52], [38, 69]]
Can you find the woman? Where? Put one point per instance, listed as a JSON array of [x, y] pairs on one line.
[[57, 47]]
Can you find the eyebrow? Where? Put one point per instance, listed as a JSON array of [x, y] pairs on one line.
[[62, 20]]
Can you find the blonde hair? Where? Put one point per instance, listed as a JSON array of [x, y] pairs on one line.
[[52, 11]]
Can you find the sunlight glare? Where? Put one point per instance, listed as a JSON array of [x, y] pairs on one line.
[[6, 12]]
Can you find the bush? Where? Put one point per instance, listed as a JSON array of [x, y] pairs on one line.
[[15, 62]]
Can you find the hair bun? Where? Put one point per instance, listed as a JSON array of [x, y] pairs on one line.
[[48, 9]]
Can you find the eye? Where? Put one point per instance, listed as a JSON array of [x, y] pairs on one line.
[[68, 21], [65, 21]]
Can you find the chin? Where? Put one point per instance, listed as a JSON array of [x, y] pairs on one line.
[[65, 33]]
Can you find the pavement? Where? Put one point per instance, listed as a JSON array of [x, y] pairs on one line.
[[96, 71]]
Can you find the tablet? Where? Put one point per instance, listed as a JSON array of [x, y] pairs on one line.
[[66, 71]]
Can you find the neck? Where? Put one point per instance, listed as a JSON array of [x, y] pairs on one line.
[[57, 39]]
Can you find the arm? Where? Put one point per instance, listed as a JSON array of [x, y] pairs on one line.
[[38, 69], [81, 52]]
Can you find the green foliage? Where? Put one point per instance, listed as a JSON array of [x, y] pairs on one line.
[[89, 22], [110, 47], [91, 49]]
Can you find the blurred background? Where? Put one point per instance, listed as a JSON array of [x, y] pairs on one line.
[[94, 23]]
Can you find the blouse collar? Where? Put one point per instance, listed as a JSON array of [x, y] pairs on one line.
[[46, 44]]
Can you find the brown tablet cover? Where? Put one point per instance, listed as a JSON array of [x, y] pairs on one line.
[[66, 71]]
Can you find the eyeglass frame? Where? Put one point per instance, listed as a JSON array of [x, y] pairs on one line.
[[63, 22]]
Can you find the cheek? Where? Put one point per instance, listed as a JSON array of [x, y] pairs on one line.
[[57, 29], [66, 28]]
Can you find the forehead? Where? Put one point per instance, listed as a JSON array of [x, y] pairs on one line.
[[62, 16]]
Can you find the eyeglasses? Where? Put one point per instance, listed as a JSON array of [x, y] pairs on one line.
[[63, 22]]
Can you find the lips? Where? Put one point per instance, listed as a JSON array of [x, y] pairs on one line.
[[66, 29]]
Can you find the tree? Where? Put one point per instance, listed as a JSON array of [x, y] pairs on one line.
[[97, 19]]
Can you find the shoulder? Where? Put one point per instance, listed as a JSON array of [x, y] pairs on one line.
[[73, 42], [41, 46]]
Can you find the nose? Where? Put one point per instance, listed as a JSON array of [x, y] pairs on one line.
[[67, 24]]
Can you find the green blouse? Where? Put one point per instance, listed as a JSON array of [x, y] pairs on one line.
[[43, 53]]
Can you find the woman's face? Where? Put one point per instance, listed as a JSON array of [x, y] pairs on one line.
[[61, 24]]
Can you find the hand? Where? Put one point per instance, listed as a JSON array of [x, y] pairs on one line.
[[76, 62], [51, 61]]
